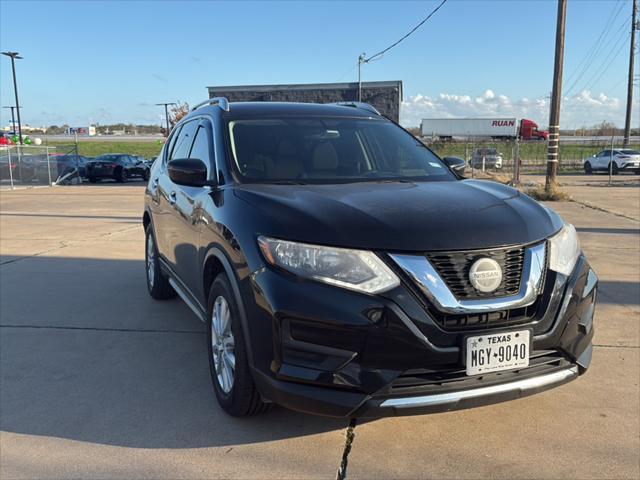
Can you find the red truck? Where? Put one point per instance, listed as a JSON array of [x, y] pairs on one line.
[[529, 131]]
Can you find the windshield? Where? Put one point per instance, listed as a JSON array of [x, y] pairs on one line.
[[329, 150], [108, 158]]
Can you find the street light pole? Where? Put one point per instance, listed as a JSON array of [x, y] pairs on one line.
[[13, 119], [166, 113], [15, 56]]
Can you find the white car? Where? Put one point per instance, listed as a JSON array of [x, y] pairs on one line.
[[623, 160]]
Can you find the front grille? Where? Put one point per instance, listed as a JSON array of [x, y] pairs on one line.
[[454, 268], [424, 380], [498, 318]]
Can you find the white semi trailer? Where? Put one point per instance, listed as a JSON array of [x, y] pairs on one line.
[[447, 128]]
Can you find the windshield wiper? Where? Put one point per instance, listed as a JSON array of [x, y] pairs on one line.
[[288, 182]]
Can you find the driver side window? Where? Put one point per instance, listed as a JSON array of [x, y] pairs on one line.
[[200, 148], [184, 140]]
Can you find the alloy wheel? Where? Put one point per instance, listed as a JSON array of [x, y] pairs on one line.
[[151, 257], [223, 344]]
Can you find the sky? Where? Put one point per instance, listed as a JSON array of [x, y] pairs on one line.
[[112, 61]]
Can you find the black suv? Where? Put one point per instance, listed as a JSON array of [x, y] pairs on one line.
[[343, 269]]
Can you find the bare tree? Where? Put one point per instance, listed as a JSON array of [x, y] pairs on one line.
[[178, 112]]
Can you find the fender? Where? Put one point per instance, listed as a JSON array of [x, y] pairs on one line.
[[216, 251]]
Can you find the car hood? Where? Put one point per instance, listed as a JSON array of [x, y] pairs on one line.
[[452, 215]]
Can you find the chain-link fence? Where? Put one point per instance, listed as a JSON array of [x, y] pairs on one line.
[[500, 156], [27, 165]]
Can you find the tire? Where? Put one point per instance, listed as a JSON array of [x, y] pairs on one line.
[[237, 393], [93, 180], [613, 168], [588, 169], [120, 175], [157, 283]]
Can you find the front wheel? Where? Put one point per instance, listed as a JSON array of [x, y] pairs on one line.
[[228, 361], [588, 169]]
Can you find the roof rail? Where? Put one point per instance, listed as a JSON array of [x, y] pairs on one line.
[[361, 105], [222, 102]]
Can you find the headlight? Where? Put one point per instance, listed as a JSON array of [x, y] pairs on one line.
[[353, 269], [564, 250]]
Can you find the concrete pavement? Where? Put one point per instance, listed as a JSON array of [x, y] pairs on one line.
[[99, 381]]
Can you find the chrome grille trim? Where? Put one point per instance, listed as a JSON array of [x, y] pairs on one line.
[[426, 277]]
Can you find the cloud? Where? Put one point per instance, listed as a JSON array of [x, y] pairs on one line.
[[582, 109]]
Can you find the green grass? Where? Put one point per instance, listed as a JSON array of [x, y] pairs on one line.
[[571, 154], [533, 154], [94, 148]]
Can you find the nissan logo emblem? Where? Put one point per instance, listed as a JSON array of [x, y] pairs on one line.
[[485, 275]]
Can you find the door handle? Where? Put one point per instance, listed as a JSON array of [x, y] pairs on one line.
[[172, 198]]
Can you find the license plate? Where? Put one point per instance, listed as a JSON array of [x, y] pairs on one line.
[[497, 351]]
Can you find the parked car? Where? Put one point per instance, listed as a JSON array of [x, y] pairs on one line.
[[487, 158], [116, 166], [65, 168], [343, 269], [22, 169], [8, 167], [624, 160]]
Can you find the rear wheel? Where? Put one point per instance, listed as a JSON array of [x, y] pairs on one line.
[[228, 362], [120, 175], [157, 283], [588, 169]]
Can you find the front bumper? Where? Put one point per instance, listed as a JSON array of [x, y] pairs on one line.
[[342, 354], [630, 166]]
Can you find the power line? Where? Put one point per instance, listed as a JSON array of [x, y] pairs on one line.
[[599, 47], [594, 48], [382, 52], [617, 49]]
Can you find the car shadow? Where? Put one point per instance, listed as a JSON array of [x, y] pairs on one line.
[[95, 359], [619, 292], [609, 231]]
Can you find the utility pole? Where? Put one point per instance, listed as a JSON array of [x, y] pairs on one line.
[[15, 56], [632, 51], [361, 60], [556, 98], [166, 113]]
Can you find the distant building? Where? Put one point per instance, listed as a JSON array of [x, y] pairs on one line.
[[385, 96]]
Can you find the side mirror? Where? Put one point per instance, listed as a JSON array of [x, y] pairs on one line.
[[458, 165], [190, 172]]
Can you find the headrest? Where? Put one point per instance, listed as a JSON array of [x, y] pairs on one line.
[[325, 157]]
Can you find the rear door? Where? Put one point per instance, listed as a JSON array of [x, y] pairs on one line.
[[169, 226]]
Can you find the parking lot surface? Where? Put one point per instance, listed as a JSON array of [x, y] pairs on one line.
[[97, 380]]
